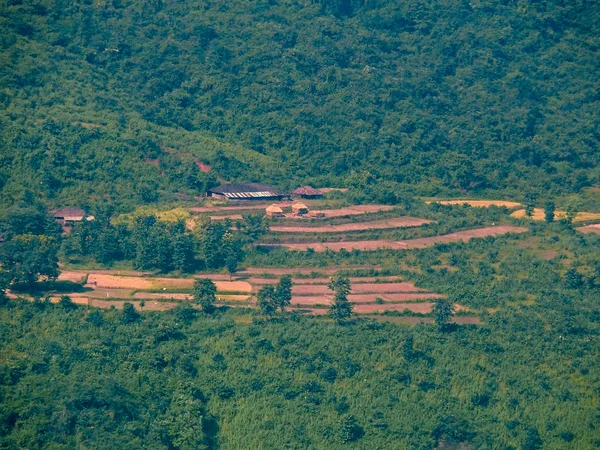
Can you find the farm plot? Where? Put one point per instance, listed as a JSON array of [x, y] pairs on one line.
[[353, 280], [590, 229], [407, 244], [478, 203], [369, 295], [539, 215], [356, 210], [399, 222], [365, 298]]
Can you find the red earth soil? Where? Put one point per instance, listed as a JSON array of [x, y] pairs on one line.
[[305, 271], [424, 308], [352, 211], [408, 244], [308, 289], [399, 222], [363, 298], [590, 229]]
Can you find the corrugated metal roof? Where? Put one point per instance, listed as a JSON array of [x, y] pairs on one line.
[[247, 190]]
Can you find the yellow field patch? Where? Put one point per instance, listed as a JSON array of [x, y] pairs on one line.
[[170, 215], [538, 214]]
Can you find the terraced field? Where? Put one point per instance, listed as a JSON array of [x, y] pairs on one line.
[[370, 294], [407, 244]]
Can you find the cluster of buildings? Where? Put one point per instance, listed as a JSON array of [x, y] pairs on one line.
[[261, 191]]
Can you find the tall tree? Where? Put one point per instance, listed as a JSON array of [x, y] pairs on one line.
[[443, 310], [27, 258], [549, 209], [530, 199], [265, 300], [573, 208], [341, 309], [283, 292], [205, 294]]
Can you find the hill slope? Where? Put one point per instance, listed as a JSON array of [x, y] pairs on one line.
[[442, 95]]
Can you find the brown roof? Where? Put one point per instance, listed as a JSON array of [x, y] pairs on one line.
[[307, 190], [68, 212], [299, 206], [274, 209]]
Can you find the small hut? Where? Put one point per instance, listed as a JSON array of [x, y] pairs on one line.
[[274, 211], [317, 214], [68, 216], [307, 192], [299, 209]]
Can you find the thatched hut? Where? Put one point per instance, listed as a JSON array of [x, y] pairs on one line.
[[299, 209], [274, 211], [307, 192]]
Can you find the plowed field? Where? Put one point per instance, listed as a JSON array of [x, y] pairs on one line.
[[478, 203], [399, 222], [590, 229], [408, 244]]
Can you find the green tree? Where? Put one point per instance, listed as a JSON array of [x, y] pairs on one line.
[[573, 279], [27, 258], [533, 441], [574, 206], [184, 420], [341, 309], [265, 300], [350, 430], [549, 209], [66, 303], [205, 294], [253, 226], [443, 311], [283, 291], [530, 199], [129, 314]]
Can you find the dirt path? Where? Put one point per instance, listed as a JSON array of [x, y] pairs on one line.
[[399, 222], [408, 244]]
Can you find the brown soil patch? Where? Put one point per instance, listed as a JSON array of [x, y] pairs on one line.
[[352, 211], [303, 270], [360, 288], [74, 277], [119, 282], [364, 298], [313, 311], [304, 281], [423, 308], [399, 222], [478, 203], [462, 236], [408, 244], [326, 190], [590, 229]]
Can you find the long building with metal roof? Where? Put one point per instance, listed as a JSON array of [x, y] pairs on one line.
[[246, 191]]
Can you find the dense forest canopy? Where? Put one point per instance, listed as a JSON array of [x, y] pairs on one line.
[[438, 95]]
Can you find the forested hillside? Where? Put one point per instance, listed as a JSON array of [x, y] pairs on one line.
[[105, 98]]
